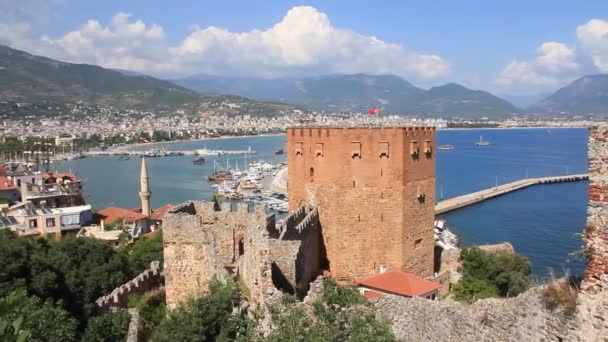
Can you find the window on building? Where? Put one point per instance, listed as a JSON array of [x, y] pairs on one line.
[[414, 148], [19, 182], [33, 223], [353, 183], [417, 243], [356, 149], [311, 174], [299, 148], [428, 147], [33, 180], [384, 149], [319, 149], [50, 222]]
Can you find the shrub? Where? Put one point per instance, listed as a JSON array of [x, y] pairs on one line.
[[470, 289], [109, 327], [508, 273], [561, 294], [204, 319]]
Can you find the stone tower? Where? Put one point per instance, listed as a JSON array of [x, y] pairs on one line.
[[144, 189], [375, 191]]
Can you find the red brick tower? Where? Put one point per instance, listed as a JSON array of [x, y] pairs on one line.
[[375, 190]]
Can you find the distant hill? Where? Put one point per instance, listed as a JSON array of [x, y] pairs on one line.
[[586, 95], [359, 92], [32, 79]]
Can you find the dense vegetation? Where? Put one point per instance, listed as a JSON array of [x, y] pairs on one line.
[[489, 274], [341, 314], [49, 287]]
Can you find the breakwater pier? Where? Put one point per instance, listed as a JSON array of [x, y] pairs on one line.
[[469, 199]]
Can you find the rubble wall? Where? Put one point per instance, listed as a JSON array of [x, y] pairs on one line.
[[522, 318], [592, 304]]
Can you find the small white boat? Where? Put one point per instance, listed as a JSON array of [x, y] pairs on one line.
[[481, 142]]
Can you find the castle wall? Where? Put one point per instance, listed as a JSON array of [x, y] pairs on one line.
[[202, 242], [375, 198], [592, 301], [145, 281]]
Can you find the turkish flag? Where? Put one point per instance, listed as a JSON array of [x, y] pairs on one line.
[[373, 111]]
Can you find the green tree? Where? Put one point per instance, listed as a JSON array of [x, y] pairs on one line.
[[470, 289], [75, 271], [42, 321], [204, 319], [341, 314], [109, 327], [146, 250], [509, 274]]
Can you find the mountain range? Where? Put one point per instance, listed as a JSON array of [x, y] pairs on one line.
[[25, 78], [586, 95], [359, 92], [34, 79]]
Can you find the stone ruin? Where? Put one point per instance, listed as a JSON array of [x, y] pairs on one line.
[[145, 281], [203, 240]]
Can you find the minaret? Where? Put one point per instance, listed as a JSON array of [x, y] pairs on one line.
[[144, 189]]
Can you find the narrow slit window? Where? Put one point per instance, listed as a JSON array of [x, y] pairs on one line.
[[299, 148], [384, 149], [319, 149], [356, 149], [414, 148], [428, 147]]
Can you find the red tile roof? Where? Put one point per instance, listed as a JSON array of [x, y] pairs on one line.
[[399, 283], [372, 294], [6, 184], [112, 214], [159, 213], [152, 234], [69, 175]]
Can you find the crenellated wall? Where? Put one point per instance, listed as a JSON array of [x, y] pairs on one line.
[[145, 281]]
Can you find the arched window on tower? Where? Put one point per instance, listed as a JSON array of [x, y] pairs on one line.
[[312, 174]]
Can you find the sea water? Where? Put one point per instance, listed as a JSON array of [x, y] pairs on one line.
[[540, 221]]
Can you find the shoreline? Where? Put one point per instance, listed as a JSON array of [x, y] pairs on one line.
[[129, 146], [152, 144]]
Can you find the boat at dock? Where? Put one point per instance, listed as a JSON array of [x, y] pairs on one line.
[[123, 158], [482, 143], [446, 147]]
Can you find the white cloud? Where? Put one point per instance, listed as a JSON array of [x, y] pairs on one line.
[[557, 64], [304, 42], [554, 65], [593, 38], [556, 57]]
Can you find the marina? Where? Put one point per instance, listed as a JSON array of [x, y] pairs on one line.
[[540, 221]]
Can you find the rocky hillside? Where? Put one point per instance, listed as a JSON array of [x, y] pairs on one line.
[[359, 92], [26, 78]]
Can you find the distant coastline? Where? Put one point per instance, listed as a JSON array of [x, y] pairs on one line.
[[151, 144]]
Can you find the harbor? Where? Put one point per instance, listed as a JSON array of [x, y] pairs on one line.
[[534, 219], [451, 204]]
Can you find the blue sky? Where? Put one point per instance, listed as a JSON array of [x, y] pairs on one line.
[[508, 47]]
